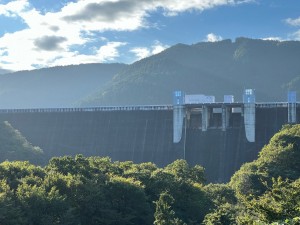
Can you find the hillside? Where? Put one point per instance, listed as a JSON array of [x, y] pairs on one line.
[[15, 147], [218, 68], [54, 87]]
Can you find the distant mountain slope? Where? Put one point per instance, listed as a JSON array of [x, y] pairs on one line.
[[54, 87], [13, 146], [218, 68], [2, 71]]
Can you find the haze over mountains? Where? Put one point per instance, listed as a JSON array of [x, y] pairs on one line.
[[212, 68], [54, 87]]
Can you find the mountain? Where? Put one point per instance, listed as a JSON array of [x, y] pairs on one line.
[[59, 86], [2, 71], [218, 68], [211, 68]]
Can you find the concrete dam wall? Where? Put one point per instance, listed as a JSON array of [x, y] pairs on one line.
[[147, 135], [223, 152], [140, 136]]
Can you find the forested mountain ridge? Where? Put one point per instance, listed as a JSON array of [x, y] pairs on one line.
[[60, 86], [218, 68], [212, 68], [94, 190]]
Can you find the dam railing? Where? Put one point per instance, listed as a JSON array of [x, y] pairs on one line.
[[90, 109], [140, 107]]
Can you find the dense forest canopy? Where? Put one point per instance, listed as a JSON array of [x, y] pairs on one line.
[[95, 190]]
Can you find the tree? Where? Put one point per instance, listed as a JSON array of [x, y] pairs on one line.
[[281, 201], [220, 194], [164, 215], [17, 172], [10, 211], [67, 164], [41, 207], [224, 215], [281, 157], [183, 172], [128, 202], [140, 172], [268, 188]]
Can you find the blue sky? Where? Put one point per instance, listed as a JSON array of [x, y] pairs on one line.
[[42, 33]]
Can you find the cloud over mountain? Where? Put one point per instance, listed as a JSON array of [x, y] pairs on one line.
[[49, 43]]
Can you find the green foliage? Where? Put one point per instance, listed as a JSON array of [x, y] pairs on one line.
[[221, 194], [80, 190], [18, 172], [182, 182], [281, 201], [69, 165], [128, 200], [281, 157], [183, 172], [164, 215], [268, 188], [140, 172], [41, 207], [10, 210], [224, 215], [248, 181], [91, 191]]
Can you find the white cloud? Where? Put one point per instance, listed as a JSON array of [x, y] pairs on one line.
[[177, 6], [105, 53], [143, 52], [213, 38], [295, 36], [273, 39], [158, 47], [109, 52], [49, 37], [13, 8], [293, 22]]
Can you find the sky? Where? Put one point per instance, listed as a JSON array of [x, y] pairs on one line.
[[45, 33]]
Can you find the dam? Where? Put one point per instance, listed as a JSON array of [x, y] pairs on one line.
[[219, 136]]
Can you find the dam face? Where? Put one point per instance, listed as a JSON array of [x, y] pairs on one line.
[[143, 135], [223, 152], [139, 135]]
